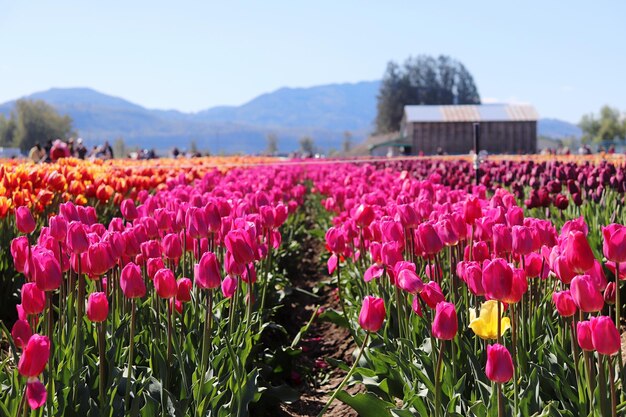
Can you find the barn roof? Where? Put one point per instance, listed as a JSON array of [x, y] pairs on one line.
[[471, 113]]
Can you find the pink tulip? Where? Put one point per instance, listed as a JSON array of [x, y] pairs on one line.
[[172, 246], [207, 274], [100, 258], [585, 294], [372, 314], [165, 283], [34, 356], [229, 286], [24, 220], [522, 240], [432, 294], [499, 367], [614, 242], [445, 324], [77, 240], [238, 246], [583, 335], [21, 333], [497, 279], [564, 303], [97, 307], [129, 210], [605, 336], [131, 282], [184, 286], [36, 394], [33, 299], [578, 252]]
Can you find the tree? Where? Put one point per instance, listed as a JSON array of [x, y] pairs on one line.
[[422, 80], [272, 144], [119, 148], [610, 126], [35, 121], [7, 129], [347, 141], [307, 145], [193, 147]]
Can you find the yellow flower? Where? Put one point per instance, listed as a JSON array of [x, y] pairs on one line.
[[486, 325]]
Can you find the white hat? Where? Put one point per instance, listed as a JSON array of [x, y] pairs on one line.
[[79, 140]]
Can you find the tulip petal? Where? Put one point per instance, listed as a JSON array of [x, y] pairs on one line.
[[36, 394]]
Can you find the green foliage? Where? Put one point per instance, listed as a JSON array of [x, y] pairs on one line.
[[347, 142], [34, 121], [272, 144], [307, 145], [609, 126], [422, 80]]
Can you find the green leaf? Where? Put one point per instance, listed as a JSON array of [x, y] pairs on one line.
[[335, 317], [366, 404]]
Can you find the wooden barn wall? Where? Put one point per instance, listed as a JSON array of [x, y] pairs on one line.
[[458, 137]]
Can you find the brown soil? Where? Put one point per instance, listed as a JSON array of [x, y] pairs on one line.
[[324, 340]]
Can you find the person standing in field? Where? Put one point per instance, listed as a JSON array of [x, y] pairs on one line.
[[36, 153]]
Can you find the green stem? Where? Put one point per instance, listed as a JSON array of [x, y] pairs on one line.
[[208, 322], [612, 387], [438, 379], [347, 377], [101, 352], [602, 385], [130, 354]]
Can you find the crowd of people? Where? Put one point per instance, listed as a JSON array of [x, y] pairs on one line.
[[54, 150]]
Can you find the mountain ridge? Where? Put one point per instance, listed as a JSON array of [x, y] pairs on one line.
[[322, 112]]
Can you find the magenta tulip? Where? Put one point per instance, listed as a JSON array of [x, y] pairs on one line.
[[97, 307], [499, 364], [372, 313], [445, 324]]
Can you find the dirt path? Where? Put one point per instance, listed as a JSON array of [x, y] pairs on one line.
[[323, 341]]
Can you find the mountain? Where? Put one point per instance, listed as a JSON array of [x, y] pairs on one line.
[[558, 129], [324, 113]]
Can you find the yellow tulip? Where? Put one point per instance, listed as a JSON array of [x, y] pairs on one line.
[[486, 324]]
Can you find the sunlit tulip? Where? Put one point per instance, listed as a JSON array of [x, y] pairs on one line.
[[33, 299], [131, 282], [497, 279], [364, 215], [605, 336], [409, 281], [499, 366], [77, 240], [583, 335], [100, 258], [165, 283], [614, 242], [184, 286], [36, 394], [229, 286], [19, 251], [237, 245], [24, 220], [564, 303], [578, 252], [128, 209], [97, 307], [34, 356], [585, 294], [502, 240], [207, 273], [21, 333], [445, 324], [372, 314], [58, 228], [432, 294], [486, 324], [172, 246], [522, 240]]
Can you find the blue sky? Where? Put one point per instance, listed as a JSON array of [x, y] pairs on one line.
[[566, 58]]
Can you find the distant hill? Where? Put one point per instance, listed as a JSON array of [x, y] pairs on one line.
[[322, 112]]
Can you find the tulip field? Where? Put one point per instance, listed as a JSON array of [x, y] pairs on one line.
[[147, 288]]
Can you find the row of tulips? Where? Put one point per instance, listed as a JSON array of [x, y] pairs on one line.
[[469, 305], [156, 312]]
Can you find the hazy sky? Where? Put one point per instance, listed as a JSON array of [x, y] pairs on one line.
[[565, 57]]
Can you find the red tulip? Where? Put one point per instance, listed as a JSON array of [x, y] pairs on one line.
[[522, 240], [585, 294], [229, 286], [36, 394], [609, 293], [184, 290], [605, 336], [19, 251], [614, 242], [445, 324], [58, 228], [364, 215], [497, 279], [100, 258], [129, 210], [502, 240], [472, 209], [372, 313], [518, 288], [409, 281], [533, 263], [24, 220], [237, 245], [77, 240], [578, 252], [97, 307], [172, 246], [432, 294], [583, 335], [499, 364], [33, 299], [34, 356], [564, 303], [21, 333], [207, 274], [131, 281], [165, 283]]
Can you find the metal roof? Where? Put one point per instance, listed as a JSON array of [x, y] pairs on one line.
[[471, 113]]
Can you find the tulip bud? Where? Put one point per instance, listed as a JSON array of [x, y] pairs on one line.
[[609, 293], [522, 240], [19, 251], [58, 228], [416, 307], [129, 210], [605, 336], [131, 281], [585, 294], [409, 281], [184, 290], [21, 333], [564, 303], [432, 294], [165, 283], [33, 299], [172, 246], [372, 314], [100, 258], [207, 274], [518, 288], [364, 215], [77, 240], [497, 279], [46, 269], [583, 335], [34, 357], [502, 240], [97, 307], [445, 324], [237, 245], [229, 286], [24, 220], [472, 209], [578, 252], [499, 367], [614, 242]]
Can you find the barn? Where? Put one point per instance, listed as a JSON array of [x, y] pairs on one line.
[[449, 129]]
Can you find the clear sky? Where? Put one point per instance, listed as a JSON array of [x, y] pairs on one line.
[[565, 57]]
